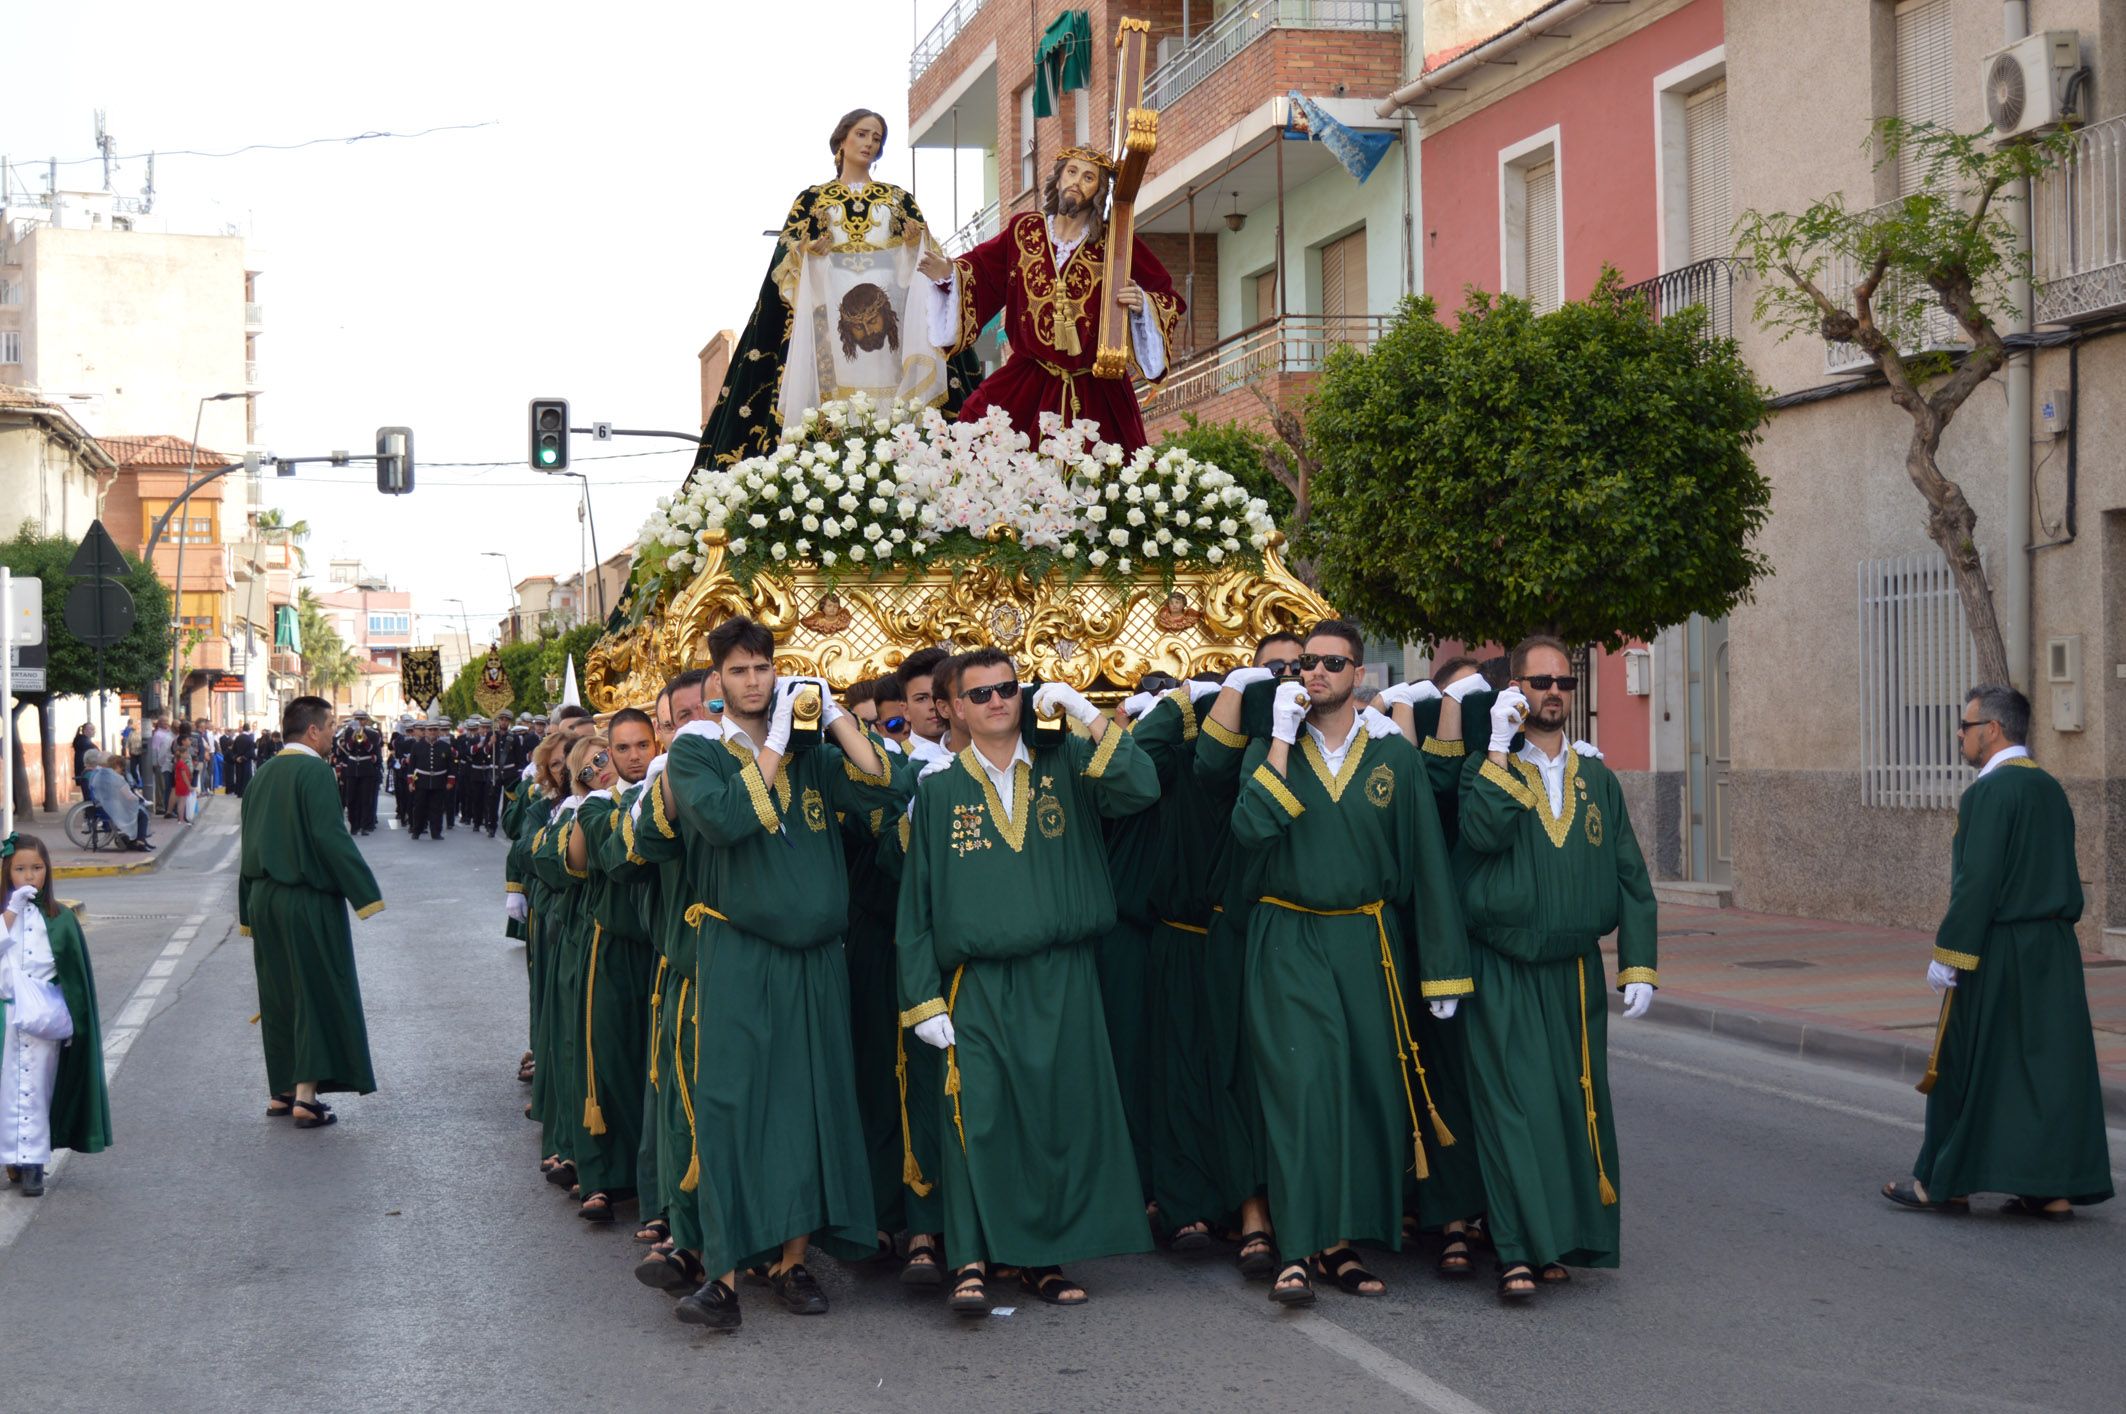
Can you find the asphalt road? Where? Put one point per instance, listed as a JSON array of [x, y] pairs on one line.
[[411, 1258]]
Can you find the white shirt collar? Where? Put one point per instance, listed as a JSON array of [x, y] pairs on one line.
[[1333, 756], [1002, 779], [734, 732], [2003, 756], [1553, 772], [298, 746]]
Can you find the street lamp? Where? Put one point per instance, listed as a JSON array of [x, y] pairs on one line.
[[510, 598], [177, 638], [464, 625], [593, 519]]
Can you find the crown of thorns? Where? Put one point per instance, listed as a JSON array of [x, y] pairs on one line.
[[1087, 154]]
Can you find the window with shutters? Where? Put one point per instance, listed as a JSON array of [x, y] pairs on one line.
[[1705, 146], [1026, 172], [1531, 242], [1926, 78], [1343, 288], [1266, 296], [10, 346], [1539, 280]]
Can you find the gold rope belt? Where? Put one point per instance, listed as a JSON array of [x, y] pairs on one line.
[[911, 1169], [952, 1060], [1406, 1058], [692, 1180], [593, 1116], [1941, 1029], [1184, 927], [656, 997], [1604, 1187], [1070, 377]]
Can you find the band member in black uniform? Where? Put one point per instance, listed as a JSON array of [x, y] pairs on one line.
[[428, 761], [401, 780], [360, 756], [481, 759], [241, 751]]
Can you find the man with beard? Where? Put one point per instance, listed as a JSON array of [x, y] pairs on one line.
[[1549, 866], [1043, 271]]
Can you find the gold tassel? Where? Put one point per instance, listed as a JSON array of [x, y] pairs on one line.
[[656, 998], [952, 1061], [1941, 1029], [593, 1116], [1603, 1187], [692, 1180], [911, 1171]]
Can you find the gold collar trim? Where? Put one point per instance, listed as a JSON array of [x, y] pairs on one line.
[[1334, 784], [1557, 826], [1012, 831]]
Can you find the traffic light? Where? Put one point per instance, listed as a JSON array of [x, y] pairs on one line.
[[549, 434], [394, 460]]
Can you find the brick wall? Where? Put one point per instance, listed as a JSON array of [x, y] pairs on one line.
[[1200, 328], [1238, 405]]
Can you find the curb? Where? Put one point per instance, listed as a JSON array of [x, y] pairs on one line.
[[148, 865], [1855, 1049]]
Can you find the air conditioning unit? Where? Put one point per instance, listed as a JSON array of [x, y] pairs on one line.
[[2026, 83]]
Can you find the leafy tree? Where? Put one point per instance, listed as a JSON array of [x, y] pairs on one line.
[[329, 662], [132, 663], [274, 528], [525, 664], [1949, 247], [1584, 473]]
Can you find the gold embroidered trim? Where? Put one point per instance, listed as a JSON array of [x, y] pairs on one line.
[[1638, 974], [561, 848], [877, 819], [371, 910], [243, 930], [1558, 827], [1187, 704], [904, 834], [627, 839], [922, 1012], [1279, 791], [763, 807], [512, 887], [1961, 961], [1104, 753], [1446, 987], [1452, 749], [1335, 784], [1012, 831], [664, 826], [885, 773], [1223, 735], [1499, 776]]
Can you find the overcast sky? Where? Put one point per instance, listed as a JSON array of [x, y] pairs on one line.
[[586, 246]]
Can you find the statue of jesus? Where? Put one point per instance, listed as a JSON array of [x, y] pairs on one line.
[[1044, 271]]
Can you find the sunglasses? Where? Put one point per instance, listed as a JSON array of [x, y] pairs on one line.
[[1282, 667], [980, 695], [1334, 662], [1962, 727], [1543, 682], [893, 724]]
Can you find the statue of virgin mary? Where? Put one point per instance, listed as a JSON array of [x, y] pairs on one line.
[[834, 315]]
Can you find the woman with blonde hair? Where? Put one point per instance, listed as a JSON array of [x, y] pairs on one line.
[[541, 797], [566, 933]]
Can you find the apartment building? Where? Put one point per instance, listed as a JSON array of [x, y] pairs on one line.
[[52, 472], [192, 556], [1279, 250]]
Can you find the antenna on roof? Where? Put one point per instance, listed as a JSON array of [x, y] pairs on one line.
[[105, 145]]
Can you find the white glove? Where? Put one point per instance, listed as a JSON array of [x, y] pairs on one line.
[[1137, 704], [937, 1031], [657, 764], [1638, 996], [1288, 711], [569, 803], [1443, 1008], [701, 727], [20, 900], [1940, 976], [1588, 748], [1507, 714], [1197, 691], [1460, 689], [1241, 678], [779, 722], [517, 906], [1407, 694], [831, 711], [1054, 695], [1377, 723], [889, 744]]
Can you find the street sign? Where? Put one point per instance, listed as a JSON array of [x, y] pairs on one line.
[[98, 557], [27, 680], [99, 613], [26, 611], [601, 432]]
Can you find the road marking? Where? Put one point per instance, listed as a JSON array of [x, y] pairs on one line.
[[149, 987], [135, 1014], [162, 966], [1422, 1388]]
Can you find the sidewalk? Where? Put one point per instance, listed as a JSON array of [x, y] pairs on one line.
[[70, 862], [1843, 992]]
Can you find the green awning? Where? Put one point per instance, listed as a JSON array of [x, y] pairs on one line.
[[287, 629], [1062, 60]]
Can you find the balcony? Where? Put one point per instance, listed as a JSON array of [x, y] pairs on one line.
[[286, 664], [1936, 332], [1266, 356], [980, 227], [254, 315], [1242, 25], [933, 45], [1709, 284], [2078, 240], [250, 373]]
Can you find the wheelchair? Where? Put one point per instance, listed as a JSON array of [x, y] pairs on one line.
[[90, 829]]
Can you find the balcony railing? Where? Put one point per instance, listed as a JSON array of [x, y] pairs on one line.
[[2079, 227], [980, 227], [1936, 330], [254, 314], [932, 45], [251, 373], [1297, 343], [1242, 25], [1706, 283]]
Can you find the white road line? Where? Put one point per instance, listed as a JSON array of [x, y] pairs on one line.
[[1427, 1392], [164, 966], [149, 987], [135, 1013]]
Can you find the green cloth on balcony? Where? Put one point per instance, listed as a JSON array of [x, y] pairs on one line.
[[1062, 60]]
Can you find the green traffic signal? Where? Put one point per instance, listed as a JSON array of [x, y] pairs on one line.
[[549, 434], [549, 454]]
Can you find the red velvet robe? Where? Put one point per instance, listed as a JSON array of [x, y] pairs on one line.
[[1015, 271]]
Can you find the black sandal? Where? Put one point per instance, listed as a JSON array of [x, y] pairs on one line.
[[1194, 1237], [671, 1271], [1341, 1265], [320, 1114], [1262, 1261], [2027, 1207], [1516, 1282], [658, 1229], [1052, 1286], [1554, 1274], [970, 1292], [562, 1175], [1300, 1295], [923, 1267], [1906, 1193], [603, 1213], [1454, 1254], [286, 1103]]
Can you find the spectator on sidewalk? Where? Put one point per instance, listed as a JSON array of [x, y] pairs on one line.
[[132, 746], [2014, 1102], [161, 754], [183, 775], [125, 807], [242, 751], [84, 742]]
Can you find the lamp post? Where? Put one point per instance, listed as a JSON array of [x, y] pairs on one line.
[[184, 533], [593, 520], [464, 626], [510, 597]]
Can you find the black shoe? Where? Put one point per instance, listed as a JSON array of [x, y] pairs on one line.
[[714, 1306], [33, 1187], [797, 1291]]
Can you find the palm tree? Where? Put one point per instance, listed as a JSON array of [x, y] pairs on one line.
[[328, 662], [274, 528]]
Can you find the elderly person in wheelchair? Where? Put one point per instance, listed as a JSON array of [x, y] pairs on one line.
[[124, 807]]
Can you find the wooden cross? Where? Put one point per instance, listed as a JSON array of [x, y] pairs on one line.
[[1136, 135]]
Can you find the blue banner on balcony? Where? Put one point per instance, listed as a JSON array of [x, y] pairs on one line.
[[1358, 152], [1062, 60]]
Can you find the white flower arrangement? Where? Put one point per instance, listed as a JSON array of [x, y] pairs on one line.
[[856, 488]]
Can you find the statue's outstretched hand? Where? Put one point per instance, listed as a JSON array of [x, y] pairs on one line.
[[935, 267]]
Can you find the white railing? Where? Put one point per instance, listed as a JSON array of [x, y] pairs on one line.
[[980, 227], [1916, 663], [1298, 343], [1937, 329], [254, 314], [933, 45], [2078, 238], [1209, 49], [250, 372]]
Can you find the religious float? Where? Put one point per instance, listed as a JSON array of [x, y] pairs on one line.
[[863, 498]]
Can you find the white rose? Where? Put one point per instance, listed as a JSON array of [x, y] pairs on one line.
[[1181, 547], [874, 531], [1096, 514], [787, 513], [757, 521], [811, 523], [1181, 518], [738, 546], [1215, 555], [1097, 558], [1136, 515], [803, 547], [1164, 535], [1122, 567], [1118, 536], [1070, 549], [848, 502], [876, 505], [831, 527], [826, 557], [856, 552], [899, 535], [1151, 552], [780, 551], [1228, 526]]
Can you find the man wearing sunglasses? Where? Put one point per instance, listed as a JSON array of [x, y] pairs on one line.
[[889, 700], [2014, 1101], [1004, 891], [778, 1138], [1550, 866], [1346, 846]]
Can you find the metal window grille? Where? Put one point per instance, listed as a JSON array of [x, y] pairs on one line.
[[1539, 244], [10, 346], [1916, 663], [1926, 77], [2080, 211], [1580, 718]]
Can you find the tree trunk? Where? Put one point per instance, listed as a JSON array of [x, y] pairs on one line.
[[18, 763], [1950, 523]]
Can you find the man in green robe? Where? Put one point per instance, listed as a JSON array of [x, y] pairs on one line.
[[2014, 1103], [1005, 891], [1349, 840], [778, 1136], [299, 872], [1549, 866]]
